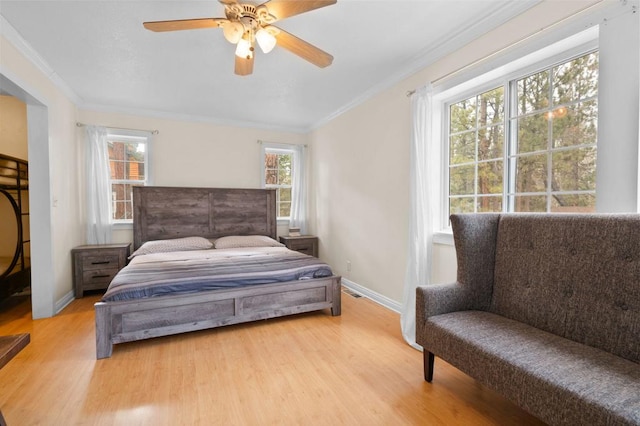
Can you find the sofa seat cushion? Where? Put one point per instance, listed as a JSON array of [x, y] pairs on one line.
[[572, 383]]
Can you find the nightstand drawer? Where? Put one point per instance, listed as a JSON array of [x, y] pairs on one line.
[[305, 248], [98, 278], [100, 262], [307, 244]]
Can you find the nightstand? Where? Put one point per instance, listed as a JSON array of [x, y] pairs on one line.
[[307, 244], [94, 266]]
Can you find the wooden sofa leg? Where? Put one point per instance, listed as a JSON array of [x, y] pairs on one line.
[[428, 365]]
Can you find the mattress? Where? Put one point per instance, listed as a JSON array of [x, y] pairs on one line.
[[161, 274]]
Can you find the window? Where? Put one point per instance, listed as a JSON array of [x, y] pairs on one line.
[[527, 144], [278, 173], [128, 160]]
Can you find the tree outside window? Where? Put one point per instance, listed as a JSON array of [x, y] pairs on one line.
[[549, 147], [278, 168]]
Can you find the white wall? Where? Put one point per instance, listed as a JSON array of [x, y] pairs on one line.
[[53, 186], [361, 176], [194, 153]]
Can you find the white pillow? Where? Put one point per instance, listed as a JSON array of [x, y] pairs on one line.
[[237, 241], [177, 244]]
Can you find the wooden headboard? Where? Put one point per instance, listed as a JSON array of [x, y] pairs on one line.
[[174, 212]]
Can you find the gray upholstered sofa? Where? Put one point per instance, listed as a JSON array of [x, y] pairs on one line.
[[546, 311]]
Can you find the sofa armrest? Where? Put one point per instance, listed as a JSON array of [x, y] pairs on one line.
[[440, 299]]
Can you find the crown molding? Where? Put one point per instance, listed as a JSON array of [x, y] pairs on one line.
[[191, 118], [13, 36], [442, 48]]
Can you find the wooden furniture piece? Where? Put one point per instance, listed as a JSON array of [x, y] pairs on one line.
[[173, 212], [15, 269], [307, 244], [9, 347], [94, 266]]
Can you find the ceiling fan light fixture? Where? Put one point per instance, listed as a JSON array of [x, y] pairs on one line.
[[244, 49], [266, 40], [233, 31]]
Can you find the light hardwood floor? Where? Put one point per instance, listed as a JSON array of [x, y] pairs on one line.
[[304, 370]]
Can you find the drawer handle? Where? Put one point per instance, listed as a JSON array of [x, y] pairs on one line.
[[101, 276], [103, 262]]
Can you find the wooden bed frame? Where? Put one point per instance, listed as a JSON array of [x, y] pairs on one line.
[[173, 212]]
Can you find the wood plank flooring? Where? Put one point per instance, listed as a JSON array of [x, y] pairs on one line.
[[309, 369]]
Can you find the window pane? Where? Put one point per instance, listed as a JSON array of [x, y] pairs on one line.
[[461, 205], [117, 169], [533, 133], [284, 194], [134, 171], [576, 203], [531, 173], [490, 177], [284, 177], [118, 192], [116, 151], [574, 170], [575, 80], [491, 107], [462, 180], [284, 209], [491, 204], [462, 148], [575, 125], [122, 199], [529, 203], [462, 115], [490, 142], [550, 147], [533, 93], [271, 176]]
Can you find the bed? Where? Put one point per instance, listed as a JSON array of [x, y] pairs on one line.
[[15, 265], [173, 213]]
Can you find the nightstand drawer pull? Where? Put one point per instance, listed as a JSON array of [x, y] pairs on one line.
[[101, 276], [105, 262]]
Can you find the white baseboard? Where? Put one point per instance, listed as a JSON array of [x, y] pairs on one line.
[[62, 303], [370, 294]]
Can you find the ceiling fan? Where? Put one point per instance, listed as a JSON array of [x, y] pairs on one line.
[[245, 24]]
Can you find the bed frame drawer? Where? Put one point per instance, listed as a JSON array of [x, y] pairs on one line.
[[95, 266]]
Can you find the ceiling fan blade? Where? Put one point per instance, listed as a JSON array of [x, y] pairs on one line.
[[281, 9], [184, 24], [244, 66], [303, 49]]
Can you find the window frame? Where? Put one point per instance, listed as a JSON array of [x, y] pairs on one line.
[[276, 148], [121, 135], [477, 82]]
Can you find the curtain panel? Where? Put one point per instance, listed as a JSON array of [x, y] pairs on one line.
[[99, 221], [298, 217], [423, 189]]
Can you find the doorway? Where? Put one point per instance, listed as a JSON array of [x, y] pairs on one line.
[[42, 271]]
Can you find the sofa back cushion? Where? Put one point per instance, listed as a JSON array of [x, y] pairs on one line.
[[577, 276]]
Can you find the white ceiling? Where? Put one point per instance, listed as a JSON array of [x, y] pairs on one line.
[[108, 61]]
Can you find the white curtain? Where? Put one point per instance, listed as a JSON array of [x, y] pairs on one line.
[[98, 191], [299, 190], [423, 188]]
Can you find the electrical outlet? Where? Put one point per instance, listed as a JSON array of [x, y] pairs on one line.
[[348, 266]]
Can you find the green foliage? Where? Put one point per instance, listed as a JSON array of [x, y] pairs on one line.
[[554, 151], [278, 174]]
